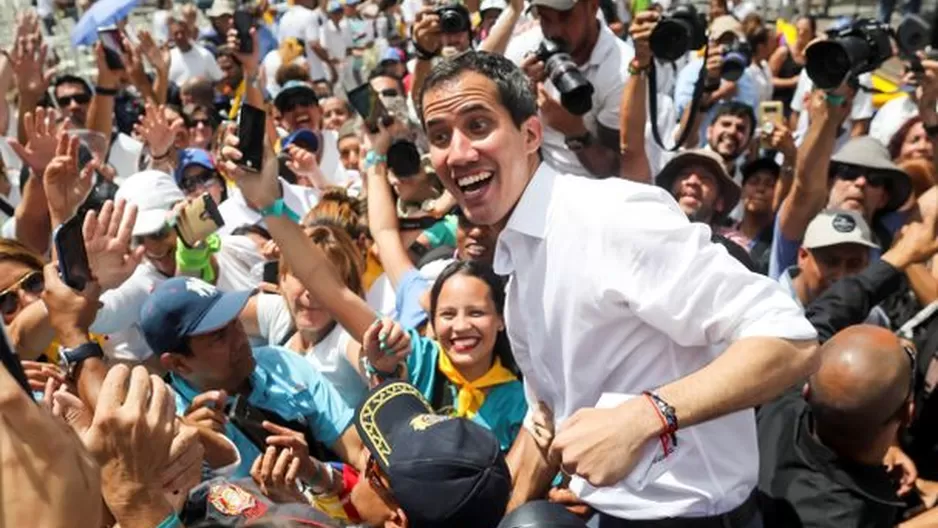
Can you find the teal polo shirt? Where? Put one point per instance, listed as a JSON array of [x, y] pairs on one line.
[[283, 383]]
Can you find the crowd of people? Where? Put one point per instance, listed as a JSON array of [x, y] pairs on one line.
[[502, 264]]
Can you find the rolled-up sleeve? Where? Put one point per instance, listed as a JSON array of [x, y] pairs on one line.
[[120, 307], [677, 281]]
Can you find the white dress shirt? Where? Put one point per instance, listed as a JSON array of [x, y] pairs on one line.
[[647, 300], [236, 212]]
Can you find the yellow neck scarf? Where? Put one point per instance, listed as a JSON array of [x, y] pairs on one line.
[[471, 396], [236, 100]]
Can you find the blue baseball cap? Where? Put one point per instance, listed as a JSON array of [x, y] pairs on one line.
[[392, 55], [192, 156], [186, 306], [333, 6], [303, 138]]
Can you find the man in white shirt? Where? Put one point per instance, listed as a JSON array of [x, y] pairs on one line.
[[304, 21], [188, 59], [588, 144], [626, 302], [856, 124]]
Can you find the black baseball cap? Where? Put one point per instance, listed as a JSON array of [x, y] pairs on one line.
[[443, 471], [541, 514]]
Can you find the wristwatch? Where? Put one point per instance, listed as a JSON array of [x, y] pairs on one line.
[[578, 143], [70, 358]]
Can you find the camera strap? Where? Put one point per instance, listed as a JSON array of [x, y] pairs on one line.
[[653, 103]]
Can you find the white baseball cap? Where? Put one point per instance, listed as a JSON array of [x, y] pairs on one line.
[[154, 193], [834, 227]]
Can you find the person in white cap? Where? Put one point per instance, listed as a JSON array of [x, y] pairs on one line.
[[155, 194], [588, 144], [836, 245], [221, 15]]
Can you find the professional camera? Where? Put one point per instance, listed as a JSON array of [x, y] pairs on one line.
[[576, 93], [736, 58], [859, 48], [454, 18], [680, 30]]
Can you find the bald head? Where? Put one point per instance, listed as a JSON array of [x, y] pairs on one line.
[[863, 380]]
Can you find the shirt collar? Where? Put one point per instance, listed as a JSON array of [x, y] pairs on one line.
[[531, 213], [604, 44]]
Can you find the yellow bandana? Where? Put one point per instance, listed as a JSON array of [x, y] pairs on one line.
[[471, 396]]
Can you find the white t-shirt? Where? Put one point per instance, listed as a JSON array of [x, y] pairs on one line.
[[607, 70], [197, 62], [329, 356], [119, 315], [236, 213], [333, 39], [862, 103], [763, 77], [304, 24], [161, 26]]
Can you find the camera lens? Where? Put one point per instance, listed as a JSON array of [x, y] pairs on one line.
[[670, 39], [829, 62], [452, 20], [576, 92]]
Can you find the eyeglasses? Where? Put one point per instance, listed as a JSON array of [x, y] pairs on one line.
[[191, 184], [32, 283], [875, 178], [66, 100], [373, 474], [159, 235], [290, 103]]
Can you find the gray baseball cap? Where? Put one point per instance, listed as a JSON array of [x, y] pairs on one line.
[[834, 227]]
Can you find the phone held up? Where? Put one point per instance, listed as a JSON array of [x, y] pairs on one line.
[[771, 116], [369, 106], [199, 219], [113, 42], [69, 243], [252, 122], [243, 22]]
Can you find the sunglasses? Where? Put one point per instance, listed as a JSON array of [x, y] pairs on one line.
[[196, 182], [67, 99], [204, 121], [290, 103], [32, 283], [373, 474], [164, 231], [875, 178], [390, 92]]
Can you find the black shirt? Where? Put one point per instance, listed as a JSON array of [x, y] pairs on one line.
[[802, 483]]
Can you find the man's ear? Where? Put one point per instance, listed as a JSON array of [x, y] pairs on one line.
[[533, 134], [174, 363], [398, 519]]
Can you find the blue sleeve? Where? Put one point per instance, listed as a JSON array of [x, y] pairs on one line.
[[784, 252], [684, 85], [407, 300], [421, 363], [894, 221], [329, 416], [746, 91]]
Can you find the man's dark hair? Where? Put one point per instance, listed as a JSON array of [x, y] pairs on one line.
[[514, 88], [71, 79], [736, 109], [384, 70]]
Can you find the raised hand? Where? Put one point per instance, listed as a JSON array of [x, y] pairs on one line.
[[41, 138], [249, 61], [385, 344], [149, 49], [158, 132], [306, 167], [275, 473], [184, 469], [133, 64], [107, 241], [65, 184], [28, 59], [39, 373], [207, 410], [260, 188]]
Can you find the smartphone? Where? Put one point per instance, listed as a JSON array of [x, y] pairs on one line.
[[771, 115], [199, 219], [243, 22], [70, 249], [252, 123], [249, 421], [272, 272], [112, 40], [12, 362], [369, 106]]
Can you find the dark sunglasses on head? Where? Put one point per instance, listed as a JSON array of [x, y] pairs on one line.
[[875, 178], [32, 283], [66, 100], [290, 103], [191, 184], [159, 235]]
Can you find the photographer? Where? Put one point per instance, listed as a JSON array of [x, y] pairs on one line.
[[587, 144], [726, 34]]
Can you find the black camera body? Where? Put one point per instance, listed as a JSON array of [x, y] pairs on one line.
[[454, 19], [859, 48], [680, 29], [576, 92], [737, 56]]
